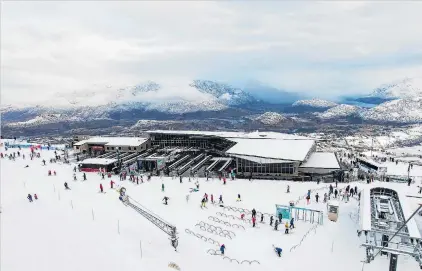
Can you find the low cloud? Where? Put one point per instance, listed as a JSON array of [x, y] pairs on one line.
[[323, 48]]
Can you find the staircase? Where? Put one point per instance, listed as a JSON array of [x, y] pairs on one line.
[[155, 219]]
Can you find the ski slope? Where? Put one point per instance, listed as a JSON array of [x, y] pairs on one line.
[[82, 229]]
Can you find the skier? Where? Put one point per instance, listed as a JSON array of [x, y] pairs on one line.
[[238, 197], [286, 231], [181, 179], [212, 198], [54, 172], [271, 220], [203, 203], [206, 197], [101, 188], [262, 218], [222, 249], [277, 250], [187, 198], [29, 197], [253, 221], [84, 176], [165, 199], [335, 193], [111, 184], [316, 197], [220, 201], [49, 173], [280, 217], [224, 180], [162, 187], [102, 176], [137, 180], [325, 197], [35, 197], [74, 169], [74, 176], [66, 186], [242, 216], [288, 188], [292, 225], [276, 225], [43, 161], [253, 212]]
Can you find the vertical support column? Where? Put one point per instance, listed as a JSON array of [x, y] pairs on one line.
[[393, 262]]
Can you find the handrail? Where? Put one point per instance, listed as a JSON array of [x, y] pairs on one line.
[[201, 162], [225, 165], [213, 164]]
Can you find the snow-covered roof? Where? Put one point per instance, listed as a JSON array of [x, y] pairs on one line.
[[262, 160], [412, 227], [321, 160], [223, 134], [372, 162], [99, 161], [292, 150], [113, 141]]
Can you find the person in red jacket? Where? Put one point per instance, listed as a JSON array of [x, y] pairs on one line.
[[253, 221], [111, 184], [101, 188], [35, 196]]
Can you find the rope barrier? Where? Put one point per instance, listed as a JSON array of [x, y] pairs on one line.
[[304, 237]]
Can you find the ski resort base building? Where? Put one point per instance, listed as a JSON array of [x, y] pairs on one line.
[[99, 145], [256, 155]]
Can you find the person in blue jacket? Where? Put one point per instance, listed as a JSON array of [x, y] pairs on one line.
[[292, 225], [278, 250], [222, 248]]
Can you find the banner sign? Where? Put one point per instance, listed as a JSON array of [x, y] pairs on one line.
[[284, 211]]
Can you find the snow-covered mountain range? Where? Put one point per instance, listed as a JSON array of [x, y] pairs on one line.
[[151, 100], [402, 110], [341, 111], [407, 88], [317, 103], [270, 118]]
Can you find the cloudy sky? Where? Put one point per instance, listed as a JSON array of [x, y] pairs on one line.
[[325, 49]]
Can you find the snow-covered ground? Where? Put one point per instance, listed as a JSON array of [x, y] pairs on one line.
[[82, 229]]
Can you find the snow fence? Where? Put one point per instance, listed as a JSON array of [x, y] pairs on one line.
[[204, 226], [218, 253]]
